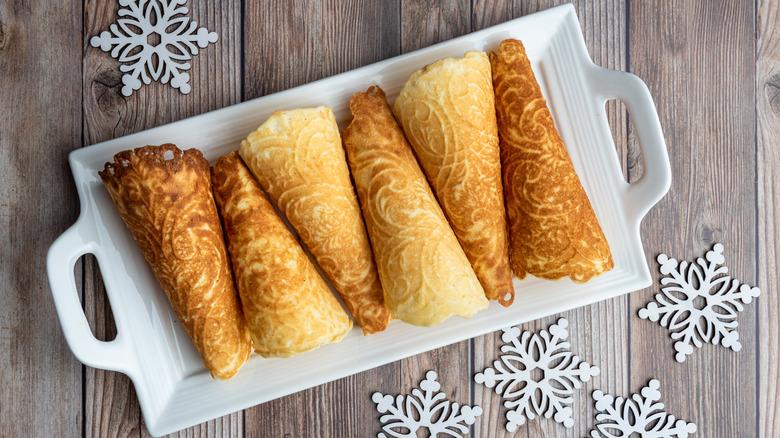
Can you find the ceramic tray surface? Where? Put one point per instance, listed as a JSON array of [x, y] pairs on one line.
[[175, 390]]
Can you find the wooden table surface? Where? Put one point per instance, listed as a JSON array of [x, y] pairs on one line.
[[713, 68]]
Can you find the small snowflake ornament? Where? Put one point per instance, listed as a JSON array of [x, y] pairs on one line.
[[143, 58], [699, 303], [427, 408], [640, 414], [558, 373]]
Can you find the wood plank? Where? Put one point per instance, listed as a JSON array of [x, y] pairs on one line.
[[282, 45], [697, 58], [112, 405], [768, 162], [293, 43], [226, 426], [486, 13], [428, 22], [598, 333], [40, 393], [281, 50], [424, 23], [112, 410], [360, 33]]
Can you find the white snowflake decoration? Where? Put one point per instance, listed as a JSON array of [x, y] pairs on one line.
[[142, 59], [429, 409], [700, 303], [513, 376], [641, 415]]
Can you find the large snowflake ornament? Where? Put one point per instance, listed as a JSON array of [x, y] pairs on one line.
[[700, 302], [538, 376], [427, 408], [641, 415], [154, 42]]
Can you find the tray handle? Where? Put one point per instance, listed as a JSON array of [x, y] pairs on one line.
[[114, 355], [656, 178]]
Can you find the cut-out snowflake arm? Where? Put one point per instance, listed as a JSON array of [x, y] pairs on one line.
[[640, 414], [428, 408], [561, 373], [142, 61], [706, 281], [396, 414]]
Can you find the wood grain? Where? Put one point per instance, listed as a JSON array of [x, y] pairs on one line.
[[598, 333], [288, 44], [112, 408], [424, 23], [768, 162], [697, 58], [427, 22], [282, 45], [40, 380]]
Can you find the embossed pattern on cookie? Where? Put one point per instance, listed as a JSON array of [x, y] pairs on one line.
[[553, 229], [288, 306], [448, 114], [298, 158], [169, 208], [426, 276]]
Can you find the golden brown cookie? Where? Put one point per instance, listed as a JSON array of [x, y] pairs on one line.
[[169, 208], [298, 159], [448, 114], [553, 230], [288, 306], [426, 276]]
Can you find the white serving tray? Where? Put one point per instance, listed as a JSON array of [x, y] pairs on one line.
[[175, 390]]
